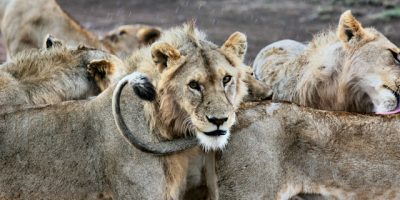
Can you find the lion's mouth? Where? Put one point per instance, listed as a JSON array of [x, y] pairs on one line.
[[397, 109], [215, 133]]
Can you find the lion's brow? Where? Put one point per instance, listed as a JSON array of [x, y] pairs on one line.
[[207, 64]]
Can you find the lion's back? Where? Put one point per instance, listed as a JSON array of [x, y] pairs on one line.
[[26, 23], [270, 62]]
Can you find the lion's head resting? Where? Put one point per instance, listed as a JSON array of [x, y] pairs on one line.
[[200, 85], [357, 69], [101, 66], [372, 66], [124, 39]]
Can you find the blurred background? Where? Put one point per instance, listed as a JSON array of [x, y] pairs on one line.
[[264, 21]]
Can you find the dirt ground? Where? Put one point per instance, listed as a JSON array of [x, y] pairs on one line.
[[264, 21]]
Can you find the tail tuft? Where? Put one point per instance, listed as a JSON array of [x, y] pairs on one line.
[[142, 86]]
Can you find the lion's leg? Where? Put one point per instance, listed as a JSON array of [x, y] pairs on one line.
[[176, 172], [211, 176]]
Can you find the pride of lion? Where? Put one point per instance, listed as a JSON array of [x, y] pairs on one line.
[[152, 113]]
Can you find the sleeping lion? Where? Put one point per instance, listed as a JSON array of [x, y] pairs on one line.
[[353, 69]]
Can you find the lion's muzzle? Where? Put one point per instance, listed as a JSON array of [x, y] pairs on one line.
[[217, 121]]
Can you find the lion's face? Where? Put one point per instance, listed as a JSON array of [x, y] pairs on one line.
[[201, 88], [378, 63], [211, 89], [371, 66]]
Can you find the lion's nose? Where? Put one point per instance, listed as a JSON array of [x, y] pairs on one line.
[[217, 121]]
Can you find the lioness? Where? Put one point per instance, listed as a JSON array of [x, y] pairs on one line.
[[56, 73], [127, 38], [72, 150], [58, 152], [355, 69], [288, 149], [26, 23], [199, 88]]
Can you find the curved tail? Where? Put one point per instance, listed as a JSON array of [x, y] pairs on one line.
[[144, 89]]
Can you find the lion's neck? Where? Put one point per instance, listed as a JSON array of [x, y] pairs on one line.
[[167, 119], [74, 31]]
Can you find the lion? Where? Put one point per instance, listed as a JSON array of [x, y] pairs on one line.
[[199, 88], [74, 148], [56, 73], [26, 23], [353, 69], [127, 38], [288, 149]]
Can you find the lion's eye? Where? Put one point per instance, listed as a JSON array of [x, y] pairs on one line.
[[226, 79], [194, 85], [396, 57]]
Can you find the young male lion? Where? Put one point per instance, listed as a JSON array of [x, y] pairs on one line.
[[355, 69], [56, 73], [26, 23], [199, 87]]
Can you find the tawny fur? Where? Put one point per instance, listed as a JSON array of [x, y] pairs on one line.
[[57, 74], [288, 149], [72, 150], [351, 69], [180, 56], [25, 24], [124, 40], [284, 148]]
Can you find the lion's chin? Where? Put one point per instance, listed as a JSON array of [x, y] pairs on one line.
[[217, 142]]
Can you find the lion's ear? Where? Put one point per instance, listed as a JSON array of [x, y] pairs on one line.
[[350, 28], [164, 55], [99, 67], [236, 46], [148, 35], [257, 90], [50, 42], [101, 70]]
